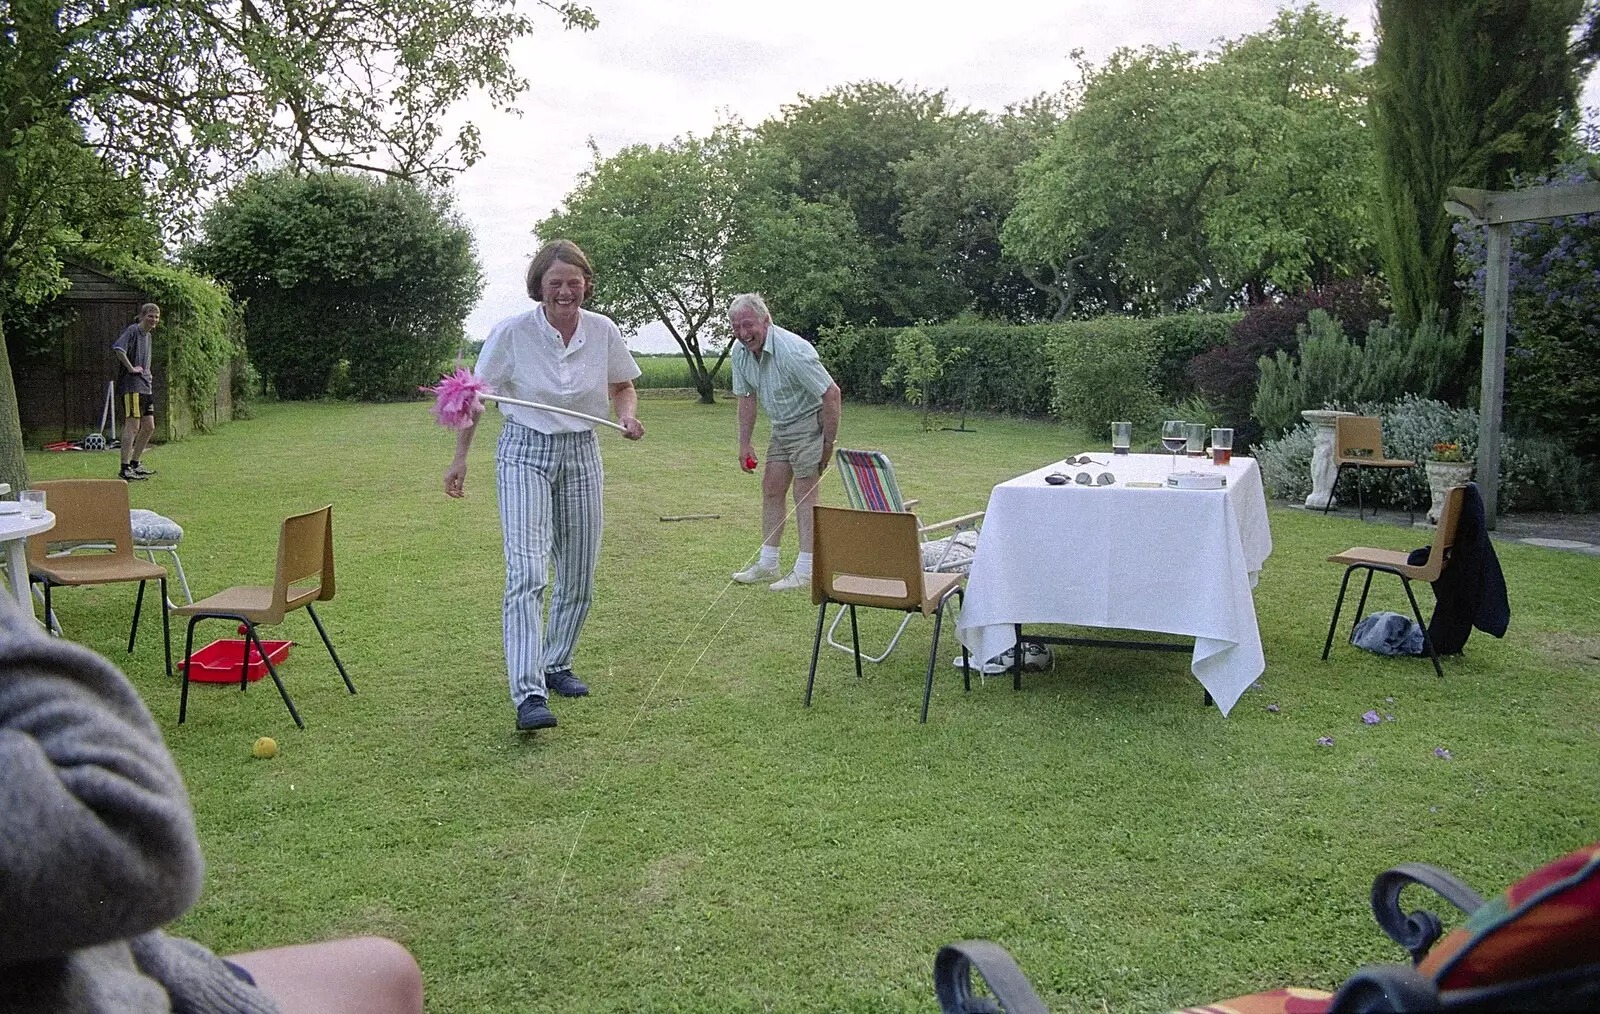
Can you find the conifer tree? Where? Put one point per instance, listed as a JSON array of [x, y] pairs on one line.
[[1465, 93]]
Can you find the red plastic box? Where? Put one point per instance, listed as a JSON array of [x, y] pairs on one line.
[[218, 662]]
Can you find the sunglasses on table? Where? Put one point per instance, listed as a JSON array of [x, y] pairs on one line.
[[1082, 479], [1082, 459]]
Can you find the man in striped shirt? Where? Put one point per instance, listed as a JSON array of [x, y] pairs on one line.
[[782, 370]]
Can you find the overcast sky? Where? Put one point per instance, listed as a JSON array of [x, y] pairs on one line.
[[656, 69]]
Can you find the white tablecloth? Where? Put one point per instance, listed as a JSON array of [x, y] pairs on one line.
[[1177, 561], [14, 532]]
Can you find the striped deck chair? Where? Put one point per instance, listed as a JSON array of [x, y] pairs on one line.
[[869, 485]]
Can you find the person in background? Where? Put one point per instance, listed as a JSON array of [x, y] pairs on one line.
[[136, 391], [782, 369], [98, 851]]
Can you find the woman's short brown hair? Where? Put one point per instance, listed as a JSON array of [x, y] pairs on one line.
[[565, 251]]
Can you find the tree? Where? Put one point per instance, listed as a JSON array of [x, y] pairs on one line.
[[1465, 93], [674, 231], [955, 197], [336, 267], [183, 95], [1179, 180], [845, 146]]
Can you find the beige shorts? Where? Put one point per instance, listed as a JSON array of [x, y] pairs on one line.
[[799, 442]]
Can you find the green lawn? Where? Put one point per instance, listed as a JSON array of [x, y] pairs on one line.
[[692, 839]]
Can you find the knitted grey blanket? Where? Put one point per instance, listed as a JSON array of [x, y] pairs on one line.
[[97, 843]]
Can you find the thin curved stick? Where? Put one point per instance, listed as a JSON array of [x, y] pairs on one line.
[[553, 408]]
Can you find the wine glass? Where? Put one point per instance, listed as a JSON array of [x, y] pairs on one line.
[[1174, 437]]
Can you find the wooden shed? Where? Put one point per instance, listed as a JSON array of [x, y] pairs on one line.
[[62, 395]]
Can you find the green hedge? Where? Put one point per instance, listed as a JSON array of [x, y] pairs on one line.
[[1006, 368], [1015, 368]]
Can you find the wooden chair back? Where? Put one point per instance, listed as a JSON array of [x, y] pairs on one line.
[[866, 558], [86, 510], [305, 553], [1444, 536], [1357, 437]]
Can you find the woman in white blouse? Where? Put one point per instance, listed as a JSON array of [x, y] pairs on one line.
[[548, 470]]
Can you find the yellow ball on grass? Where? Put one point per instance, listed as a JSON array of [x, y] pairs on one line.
[[266, 748]]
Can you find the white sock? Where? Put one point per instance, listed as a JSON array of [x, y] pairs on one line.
[[802, 564], [769, 556]]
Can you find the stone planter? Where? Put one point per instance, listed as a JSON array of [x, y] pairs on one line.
[[1441, 476]]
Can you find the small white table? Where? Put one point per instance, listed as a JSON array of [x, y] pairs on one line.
[[14, 532], [1127, 558]]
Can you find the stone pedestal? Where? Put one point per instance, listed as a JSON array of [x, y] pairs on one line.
[[1323, 468]]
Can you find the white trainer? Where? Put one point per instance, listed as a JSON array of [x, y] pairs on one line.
[[757, 573], [790, 581]]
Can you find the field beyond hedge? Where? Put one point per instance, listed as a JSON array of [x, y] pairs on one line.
[[690, 838]]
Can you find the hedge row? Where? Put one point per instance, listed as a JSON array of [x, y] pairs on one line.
[[1083, 371]]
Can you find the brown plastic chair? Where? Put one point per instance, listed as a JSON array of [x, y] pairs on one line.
[[1391, 561], [874, 558], [1358, 444], [305, 552], [93, 510]]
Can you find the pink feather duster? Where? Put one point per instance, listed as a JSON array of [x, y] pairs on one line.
[[460, 398]]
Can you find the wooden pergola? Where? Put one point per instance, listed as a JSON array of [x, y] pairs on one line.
[[1498, 211]]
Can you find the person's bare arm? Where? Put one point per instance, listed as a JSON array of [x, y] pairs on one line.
[[625, 402], [127, 364], [747, 427], [455, 477], [832, 408]]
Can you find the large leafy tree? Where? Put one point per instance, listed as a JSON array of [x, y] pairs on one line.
[[845, 146], [675, 230], [339, 267], [183, 95], [1180, 180], [1465, 93], [954, 198]]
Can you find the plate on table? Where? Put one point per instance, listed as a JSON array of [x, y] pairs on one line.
[[10, 507]]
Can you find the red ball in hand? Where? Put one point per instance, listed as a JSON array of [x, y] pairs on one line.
[[749, 462]]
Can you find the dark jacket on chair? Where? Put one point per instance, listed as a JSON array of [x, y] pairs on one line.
[[1471, 590]]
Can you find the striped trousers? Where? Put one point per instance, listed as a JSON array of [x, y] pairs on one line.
[[550, 511]]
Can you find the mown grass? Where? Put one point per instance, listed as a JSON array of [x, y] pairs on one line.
[[692, 839]]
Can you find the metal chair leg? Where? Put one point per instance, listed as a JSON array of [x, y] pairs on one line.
[[1427, 639], [1016, 661], [334, 655], [816, 647], [1361, 607], [272, 670], [855, 640], [1337, 605], [188, 660], [166, 627], [137, 602], [966, 657], [933, 657]]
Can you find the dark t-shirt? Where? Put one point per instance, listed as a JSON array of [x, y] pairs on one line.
[[135, 344]]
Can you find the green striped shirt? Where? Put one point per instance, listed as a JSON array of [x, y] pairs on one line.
[[787, 378]]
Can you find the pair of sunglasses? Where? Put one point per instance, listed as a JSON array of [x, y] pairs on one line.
[[1082, 459], [1082, 479]]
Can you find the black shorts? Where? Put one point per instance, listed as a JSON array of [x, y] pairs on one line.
[[135, 404]]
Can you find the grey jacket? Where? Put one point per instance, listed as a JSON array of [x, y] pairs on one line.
[[97, 844]]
